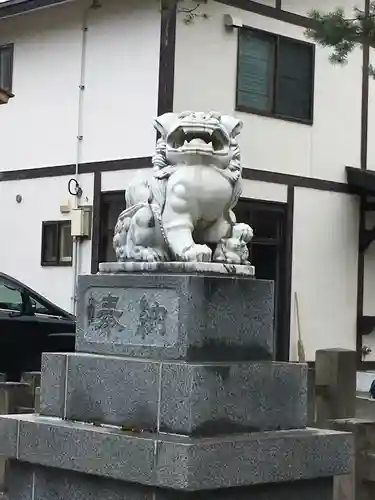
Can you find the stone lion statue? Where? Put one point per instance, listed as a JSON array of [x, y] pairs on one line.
[[183, 210]]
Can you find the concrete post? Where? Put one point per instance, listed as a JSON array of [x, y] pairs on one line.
[[13, 395], [335, 384], [33, 379], [360, 485]]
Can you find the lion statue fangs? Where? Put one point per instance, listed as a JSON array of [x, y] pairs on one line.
[[185, 207]]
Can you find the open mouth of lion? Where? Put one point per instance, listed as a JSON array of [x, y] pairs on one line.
[[189, 140]]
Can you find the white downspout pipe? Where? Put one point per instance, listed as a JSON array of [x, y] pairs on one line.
[[81, 91]]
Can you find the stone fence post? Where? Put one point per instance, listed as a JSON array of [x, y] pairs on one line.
[[13, 396], [335, 385], [360, 485], [333, 398]]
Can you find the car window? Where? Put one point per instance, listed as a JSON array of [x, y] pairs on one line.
[[39, 308], [10, 297]]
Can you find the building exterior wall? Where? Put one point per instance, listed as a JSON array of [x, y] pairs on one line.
[[122, 73], [39, 126], [325, 258], [266, 191], [369, 257], [325, 235], [42, 118], [371, 120], [270, 3], [321, 150], [369, 288], [121, 70], [20, 249], [119, 179], [120, 66], [302, 8]]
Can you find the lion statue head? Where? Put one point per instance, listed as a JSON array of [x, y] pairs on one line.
[[197, 138]]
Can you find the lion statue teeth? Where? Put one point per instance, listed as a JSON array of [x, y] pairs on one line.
[[183, 210]]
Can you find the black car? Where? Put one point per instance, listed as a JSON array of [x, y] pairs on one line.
[[30, 325]]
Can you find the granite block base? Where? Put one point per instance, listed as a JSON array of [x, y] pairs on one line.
[[189, 317], [185, 398], [176, 462], [172, 394], [30, 482]]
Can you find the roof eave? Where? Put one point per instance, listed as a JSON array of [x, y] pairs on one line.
[[12, 8]]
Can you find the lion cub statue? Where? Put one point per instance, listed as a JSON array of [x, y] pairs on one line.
[[183, 210]]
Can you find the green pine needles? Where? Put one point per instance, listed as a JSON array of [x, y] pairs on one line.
[[343, 34]]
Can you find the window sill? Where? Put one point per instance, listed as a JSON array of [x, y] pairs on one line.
[[268, 114], [56, 264], [5, 95]]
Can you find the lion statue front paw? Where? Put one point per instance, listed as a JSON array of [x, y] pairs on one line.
[[197, 253]]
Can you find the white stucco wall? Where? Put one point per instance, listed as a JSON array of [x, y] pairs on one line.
[[369, 258], [266, 191], [21, 233], [371, 119], [121, 81], [39, 125], [270, 3], [325, 253], [302, 8], [369, 289], [321, 150], [119, 179]]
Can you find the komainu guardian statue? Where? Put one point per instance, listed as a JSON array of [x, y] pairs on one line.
[[183, 211]]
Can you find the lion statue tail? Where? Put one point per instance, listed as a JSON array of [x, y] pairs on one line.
[[121, 231], [142, 191]]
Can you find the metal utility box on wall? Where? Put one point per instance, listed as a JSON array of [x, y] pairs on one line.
[[65, 206], [81, 222]]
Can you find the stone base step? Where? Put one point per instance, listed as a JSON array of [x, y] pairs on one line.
[[29, 482], [176, 462], [200, 399]]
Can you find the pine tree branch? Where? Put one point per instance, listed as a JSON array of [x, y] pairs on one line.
[[193, 12], [343, 34], [189, 11]]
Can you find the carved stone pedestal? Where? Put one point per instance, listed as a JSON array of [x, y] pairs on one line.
[[172, 394]]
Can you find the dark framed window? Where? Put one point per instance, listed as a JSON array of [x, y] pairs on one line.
[[57, 243], [6, 67], [268, 255], [111, 205], [275, 76]]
